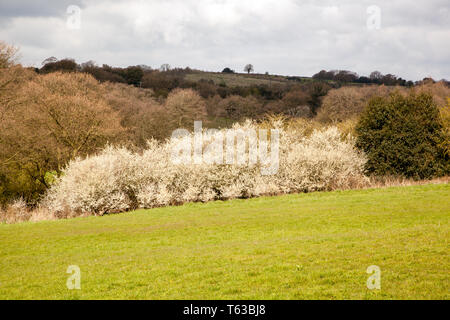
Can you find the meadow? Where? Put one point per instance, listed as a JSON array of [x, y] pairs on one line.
[[236, 79], [298, 246]]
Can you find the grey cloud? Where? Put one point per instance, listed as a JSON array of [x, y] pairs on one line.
[[39, 8], [289, 37]]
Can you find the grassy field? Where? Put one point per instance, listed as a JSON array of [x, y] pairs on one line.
[[236, 79], [307, 246]]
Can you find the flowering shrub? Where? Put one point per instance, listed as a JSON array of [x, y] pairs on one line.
[[117, 179]]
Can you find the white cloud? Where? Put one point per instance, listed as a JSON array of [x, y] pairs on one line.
[[286, 36]]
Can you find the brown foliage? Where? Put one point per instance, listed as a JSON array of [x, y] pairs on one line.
[[143, 116], [8, 55], [441, 96], [237, 107], [185, 106], [348, 102], [295, 104], [48, 120], [70, 111], [64, 65], [295, 98], [439, 90], [161, 82]]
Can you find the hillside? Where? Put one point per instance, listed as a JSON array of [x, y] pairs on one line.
[[314, 246], [242, 80]]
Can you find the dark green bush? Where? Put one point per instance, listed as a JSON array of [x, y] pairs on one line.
[[403, 136]]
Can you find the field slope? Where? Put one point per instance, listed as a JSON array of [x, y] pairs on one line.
[[307, 246], [236, 79]]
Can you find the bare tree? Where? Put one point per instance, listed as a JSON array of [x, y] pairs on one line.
[[52, 122], [8, 55], [186, 106], [248, 68]]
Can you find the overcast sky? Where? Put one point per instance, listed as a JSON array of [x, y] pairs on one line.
[[288, 37]]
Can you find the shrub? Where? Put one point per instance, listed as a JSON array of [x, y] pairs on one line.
[[117, 179], [100, 187], [103, 75], [133, 75], [227, 70], [64, 65], [16, 211], [403, 136]]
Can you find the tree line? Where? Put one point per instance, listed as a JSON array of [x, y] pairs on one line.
[[376, 77]]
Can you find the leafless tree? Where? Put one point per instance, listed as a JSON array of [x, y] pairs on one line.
[[248, 68], [164, 67]]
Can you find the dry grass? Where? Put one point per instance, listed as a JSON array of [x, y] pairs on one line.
[[235, 80], [17, 212], [386, 182]]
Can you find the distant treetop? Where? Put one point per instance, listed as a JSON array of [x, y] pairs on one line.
[[49, 60], [227, 70], [248, 68], [165, 67]]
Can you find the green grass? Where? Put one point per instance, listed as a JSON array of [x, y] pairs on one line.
[[307, 246]]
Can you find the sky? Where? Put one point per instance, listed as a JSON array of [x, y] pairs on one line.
[[410, 39]]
